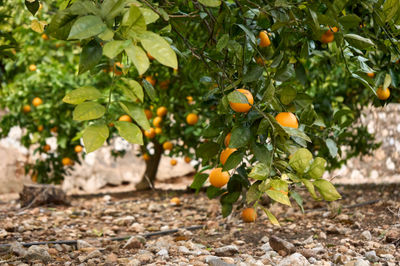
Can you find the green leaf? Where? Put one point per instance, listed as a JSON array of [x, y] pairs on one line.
[[332, 147], [60, 25], [94, 136], [222, 42], [358, 41], [159, 48], [260, 171], [134, 90], [317, 168], [112, 8], [210, 3], [106, 35], [240, 137], [149, 89], [262, 153], [138, 57], [226, 207], [149, 15], [86, 27], [249, 34], [298, 199], [300, 160], [213, 192], [88, 111], [288, 94], [294, 132], [254, 74], [391, 8], [198, 181], [230, 197], [90, 56], [134, 20], [253, 194], [207, 150], [114, 48], [350, 21], [82, 94], [308, 115], [137, 113], [130, 132], [271, 217], [237, 97], [327, 190], [285, 72], [387, 81], [233, 160], [279, 196], [310, 187], [32, 6]]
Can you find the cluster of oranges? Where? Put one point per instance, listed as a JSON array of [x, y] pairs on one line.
[[35, 102], [381, 93]]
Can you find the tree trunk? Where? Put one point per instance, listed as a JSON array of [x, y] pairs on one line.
[[150, 174]]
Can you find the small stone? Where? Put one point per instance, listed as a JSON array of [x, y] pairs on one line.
[[53, 251], [295, 259], [366, 235], [3, 233], [154, 207], [338, 258], [111, 258], [265, 239], [308, 253], [38, 253], [266, 247], [163, 253], [392, 235], [229, 250], [312, 260], [387, 256], [309, 240], [358, 262], [18, 249], [281, 246], [124, 221], [371, 256], [82, 244], [322, 235], [133, 242], [183, 250], [94, 254], [58, 247], [144, 256], [216, 261], [134, 262]]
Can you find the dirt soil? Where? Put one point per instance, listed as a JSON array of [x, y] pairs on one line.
[[325, 233]]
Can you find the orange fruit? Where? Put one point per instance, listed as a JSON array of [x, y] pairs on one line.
[[175, 201], [125, 118], [146, 157], [32, 67], [148, 113], [168, 145], [327, 37], [192, 119], [259, 61], [40, 128], [371, 75], [164, 84], [158, 130], [151, 80], [78, 148], [243, 107], [187, 159], [161, 111], [45, 37], [334, 29], [26, 108], [383, 94], [227, 139], [225, 154], [111, 124], [264, 39], [46, 148], [249, 215], [287, 119], [150, 56], [189, 99], [54, 129], [218, 178], [118, 68], [157, 121], [37, 101], [66, 161], [173, 162], [151, 133]]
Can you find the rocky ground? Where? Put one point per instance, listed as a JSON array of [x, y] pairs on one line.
[[363, 235]]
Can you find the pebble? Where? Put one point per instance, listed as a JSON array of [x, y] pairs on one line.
[[322, 235], [18, 249], [133, 242], [184, 250], [296, 259], [366, 235], [163, 253], [371, 256], [83, 244], [312, 260], [111, 258], [124, 221], [229, 250], [38, 253], [266, 247], [281, 246]]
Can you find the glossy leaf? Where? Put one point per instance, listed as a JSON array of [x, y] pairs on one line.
[[210, 3], [88, 111], [94, 137], [133, 89], [137, 113], [86, 27], [82, 94], [317, 168], [260, 171], [327, 190], [300, 160], [130, 132], [90, 56], [138, 58], [114, 48]]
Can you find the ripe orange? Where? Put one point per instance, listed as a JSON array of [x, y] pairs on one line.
[[334, 29], [78, 148], [40, 128], [371, 75], [227, 139], [218, 178], [37, 101], [264, 39], [192, 119], [146, 157], [151, 133], [46, 148], [161, 111], [383, 94], [225, 154], [45, 37], [287, 119], [32, 67], [54, 129], [168, 145], [157, 121], [327, 37], [158, 130], [66, 161], [26, 108], [118, 68], [173, 162], [249, 215], [150, 56], [151, 80], [260, 61], [125, 118], [243, 107], [164, 84], [148, 113], [187, 159], [189, 99], [175, 201]]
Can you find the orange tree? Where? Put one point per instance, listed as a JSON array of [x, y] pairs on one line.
[[271, 64]]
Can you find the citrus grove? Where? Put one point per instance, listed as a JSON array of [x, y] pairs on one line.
[[263, 96]]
